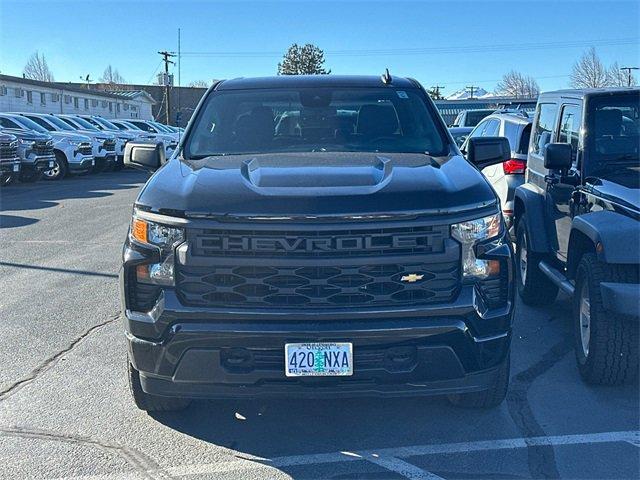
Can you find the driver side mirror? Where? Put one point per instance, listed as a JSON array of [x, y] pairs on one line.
[[486, 151], [144, 156], [558, 156]]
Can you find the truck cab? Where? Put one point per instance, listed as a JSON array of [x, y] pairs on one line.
[[577, 226]]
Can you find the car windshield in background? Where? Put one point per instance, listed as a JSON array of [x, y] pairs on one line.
[[59, 123], [314, 120], [474, 117], [84, 124], [615, 129]]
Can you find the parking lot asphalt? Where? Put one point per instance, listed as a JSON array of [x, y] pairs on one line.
[[65, 410]]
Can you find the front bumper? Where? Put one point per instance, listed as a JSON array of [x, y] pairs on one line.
[[78, 162], [10, 167], [39, 163], [203, 352]]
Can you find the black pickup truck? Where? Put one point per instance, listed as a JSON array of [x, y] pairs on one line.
[[578, 229], [317, 236]]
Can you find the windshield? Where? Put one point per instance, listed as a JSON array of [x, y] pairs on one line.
[[29, 124], [84, 124], [130, 126], [59, 123], [614, 129], [474, 117], [161, 127], [105, 124], [315, 119]]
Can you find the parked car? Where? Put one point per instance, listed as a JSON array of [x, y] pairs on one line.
[[578, 227], [460, 134], [167, 142], [72, 150], [505, 178], [35, 151], [340, 260], [105, 143], [9, 159], [471, 118], [122, 136]]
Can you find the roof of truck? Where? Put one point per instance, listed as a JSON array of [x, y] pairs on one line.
[[583, 92], [297, 81]]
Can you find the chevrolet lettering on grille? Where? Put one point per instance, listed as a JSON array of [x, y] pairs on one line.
[[301, 244]]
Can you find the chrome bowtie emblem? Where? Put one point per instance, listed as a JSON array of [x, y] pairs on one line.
[[411, 278]]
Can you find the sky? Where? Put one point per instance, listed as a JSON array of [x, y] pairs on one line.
[[451, 44]]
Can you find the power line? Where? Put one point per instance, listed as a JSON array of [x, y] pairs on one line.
[[432, 50]]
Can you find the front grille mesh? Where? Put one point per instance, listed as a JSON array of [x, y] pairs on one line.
[[109, 145], [43, 148], [318, 286], [8, 150], [85, 149]]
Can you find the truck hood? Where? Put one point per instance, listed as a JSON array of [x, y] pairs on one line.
[[27, 134], [93, 134], [621, 187], [316, 184], [74, 137]]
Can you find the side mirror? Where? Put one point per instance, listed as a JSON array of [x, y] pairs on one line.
[[557, 156], [486, 151], [144, 156]]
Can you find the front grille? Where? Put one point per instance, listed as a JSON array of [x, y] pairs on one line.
[[109, 145], [342, 243], [43, 148], [85, 149], [318, 286], [8, 150]]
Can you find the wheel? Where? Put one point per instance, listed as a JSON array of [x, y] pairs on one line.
[[152, 403], [606, 344], [59, 170], [534, 287], [490, 398], [30, 176]]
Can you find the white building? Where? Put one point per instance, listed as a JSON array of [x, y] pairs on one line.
[[23, 95]]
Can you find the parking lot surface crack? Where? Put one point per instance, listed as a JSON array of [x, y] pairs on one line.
[[52, 360], [140, 462], [541, 458]]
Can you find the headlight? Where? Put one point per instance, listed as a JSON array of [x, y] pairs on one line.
[[165, 238], [469, 234], [26, 143], [101, 139], [75, 143]]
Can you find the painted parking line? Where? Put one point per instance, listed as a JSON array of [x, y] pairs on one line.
[[389, 458]]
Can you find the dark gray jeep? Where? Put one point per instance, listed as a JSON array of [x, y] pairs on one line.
[[578, 227]]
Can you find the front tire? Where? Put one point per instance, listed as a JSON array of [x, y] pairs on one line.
[[490, 398], [59, 170], [534, 287], [149, 402], [606, 344]]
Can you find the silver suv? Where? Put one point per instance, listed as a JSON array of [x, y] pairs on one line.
[[506, 177]]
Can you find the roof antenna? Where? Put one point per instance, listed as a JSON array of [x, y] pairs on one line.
[[386, 77]]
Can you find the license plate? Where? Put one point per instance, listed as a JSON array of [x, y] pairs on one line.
[[318, 359], [93, 162], [16, 168], [51, 164]]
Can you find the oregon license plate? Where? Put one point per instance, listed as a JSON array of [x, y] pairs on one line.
[[318, 359]]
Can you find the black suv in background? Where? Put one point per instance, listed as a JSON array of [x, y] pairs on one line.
[[317, 236], [577, 223]]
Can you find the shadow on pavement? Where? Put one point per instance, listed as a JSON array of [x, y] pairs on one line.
[[32, 196], [12, 221]]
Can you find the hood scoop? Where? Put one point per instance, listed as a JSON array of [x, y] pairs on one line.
[[294, 176]]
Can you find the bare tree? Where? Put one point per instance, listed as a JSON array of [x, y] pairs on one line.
[[305, 60], [199, 84], [589, 72], [617, 78], [112, 76], [515, 84], [37, 68]]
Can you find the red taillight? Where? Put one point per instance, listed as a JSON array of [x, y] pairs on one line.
[[513, 166]]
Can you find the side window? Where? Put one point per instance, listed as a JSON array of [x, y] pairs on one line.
[[6, 123], [477, 132], [570, 127], [492, 128], [546, 116]]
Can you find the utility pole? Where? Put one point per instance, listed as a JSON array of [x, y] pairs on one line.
[[166, 55], [436, 91], [628, 69], [471, 89]]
